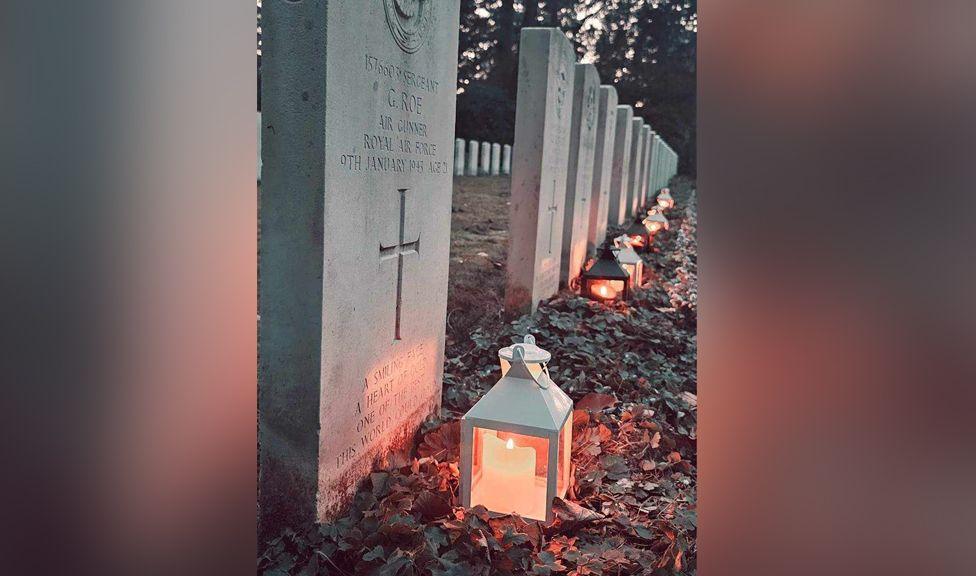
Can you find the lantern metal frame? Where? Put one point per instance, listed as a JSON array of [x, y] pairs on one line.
[[606, 267], [520, 403]]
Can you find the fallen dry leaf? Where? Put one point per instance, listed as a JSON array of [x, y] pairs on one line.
[[572, 512], [595, 402]]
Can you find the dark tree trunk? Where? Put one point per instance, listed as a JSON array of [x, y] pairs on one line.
[[531, 15], [505, 64]]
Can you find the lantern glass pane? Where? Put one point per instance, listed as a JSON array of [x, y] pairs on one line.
[[606, 289], [509, 471], [565, 449]]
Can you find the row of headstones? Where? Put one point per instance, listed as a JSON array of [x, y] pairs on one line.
[[481, 158], [582, 163], [357, 125]]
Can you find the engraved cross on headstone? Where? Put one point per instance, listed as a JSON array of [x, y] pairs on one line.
[[398, 251], [552, 214]]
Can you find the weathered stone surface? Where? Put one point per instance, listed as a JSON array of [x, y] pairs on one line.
[[507, 159], [620, 169], [458, 157], [543, 113], [359, 104], [602, 169], [472, 169], [496, 159], [655, 167], [484, 168], [636, 152], [645, 168], [259, 147], [579, 181]]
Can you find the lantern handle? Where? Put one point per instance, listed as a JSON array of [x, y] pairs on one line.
[[518, 356]]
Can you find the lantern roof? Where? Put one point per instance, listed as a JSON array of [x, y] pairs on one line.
[[637, 228], [522, 399], [607, 266], [533, 353]]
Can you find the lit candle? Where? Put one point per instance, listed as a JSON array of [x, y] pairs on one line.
[[603, 290], [508, 480]]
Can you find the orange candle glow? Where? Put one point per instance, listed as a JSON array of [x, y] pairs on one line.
[[603, 290], [508, 480]]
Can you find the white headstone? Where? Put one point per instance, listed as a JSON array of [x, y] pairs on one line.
[[458, 157], [507, 159], [579, 183], [485, 168], [645, 168], [636, 154], [602, 169], [655, 168], [496, 159], [542, 117], [662, 164], [620, 171], [355, 240], [472, 169]]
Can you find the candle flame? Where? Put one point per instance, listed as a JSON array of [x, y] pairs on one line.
[[604, 291], [510, 444]]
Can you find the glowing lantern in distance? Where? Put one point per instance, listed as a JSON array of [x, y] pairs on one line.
[[630, 261], [516, 443], [655, 223], [664, 199], [639, 236], [606, 280]]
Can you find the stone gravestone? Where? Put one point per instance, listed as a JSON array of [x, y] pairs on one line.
[[620, 169], [645, 168], [636, 150], [662, 164], [472, 169], [579, 181], [506, 159], [485, 168], [655, 168], [458, 157], [602, 169], [542, 116], [360, 101], [496, 159]]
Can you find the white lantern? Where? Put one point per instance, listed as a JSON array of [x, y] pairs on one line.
[[630, 260], [516, 444], [655, 223], [664, 199]]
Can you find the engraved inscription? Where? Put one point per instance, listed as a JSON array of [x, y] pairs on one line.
[[590, 107], [391, 390], [399, 140]]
